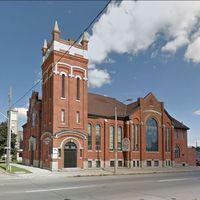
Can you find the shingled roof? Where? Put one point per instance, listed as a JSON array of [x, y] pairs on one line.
[[103, 106], [176, 123], [99, 105]]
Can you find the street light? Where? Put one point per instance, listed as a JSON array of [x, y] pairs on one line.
[[116, 141]]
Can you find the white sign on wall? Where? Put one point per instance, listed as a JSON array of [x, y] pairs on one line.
[[55, 153], [126, 144]]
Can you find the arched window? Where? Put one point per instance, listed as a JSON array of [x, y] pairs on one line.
[[89, 136], [62, 115], [177, 152], [98, 137], [33, 119], [51, 87], [167, 139], [151, 135], [119, 138], [63, 86], [135, 136], [78, 88], [111, 136]]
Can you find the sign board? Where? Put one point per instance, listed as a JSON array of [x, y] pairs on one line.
[[126, 144], [55, 150], [55, 153]]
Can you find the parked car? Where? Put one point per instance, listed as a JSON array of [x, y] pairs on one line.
[[197, 162]]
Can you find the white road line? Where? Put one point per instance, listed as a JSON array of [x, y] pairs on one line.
[[171, 180], [57, 189]]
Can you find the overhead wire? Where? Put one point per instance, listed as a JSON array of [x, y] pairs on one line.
[[64, 53]]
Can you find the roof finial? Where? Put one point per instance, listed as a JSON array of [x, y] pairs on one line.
[[45, 44], [85, 40], [56, 28], [85, 37]]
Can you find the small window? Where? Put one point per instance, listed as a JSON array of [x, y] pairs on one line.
[[120, 163], [156, 163], [134, 162], [169, 163], [138, 163], [148, 163], [78, 88], [89, 164], [112, 163], [177, 152], [98, 163], [78, 120], [63, 86], [62, 115]]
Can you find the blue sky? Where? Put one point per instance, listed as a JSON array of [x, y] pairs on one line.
[[132, 53]]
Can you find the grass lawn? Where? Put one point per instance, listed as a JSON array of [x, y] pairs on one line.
[[14, 169]]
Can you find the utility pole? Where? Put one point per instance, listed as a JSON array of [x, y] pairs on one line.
[[115, 139], [9, 130]]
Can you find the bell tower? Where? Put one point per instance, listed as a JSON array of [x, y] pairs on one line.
[[65, 95]]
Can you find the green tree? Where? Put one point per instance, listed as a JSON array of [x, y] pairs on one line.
[[3, 140]]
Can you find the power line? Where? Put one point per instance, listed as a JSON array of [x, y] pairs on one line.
[[78, 38]]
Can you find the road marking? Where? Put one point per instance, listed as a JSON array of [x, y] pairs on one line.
[[57, 189], [171, 180]]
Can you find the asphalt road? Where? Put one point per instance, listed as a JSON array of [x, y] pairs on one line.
[[174, 186]]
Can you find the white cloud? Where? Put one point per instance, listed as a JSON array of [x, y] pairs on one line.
[[193, 51], [98, 77], [22, 112], [196, 112], [133, 26], [175, 44]]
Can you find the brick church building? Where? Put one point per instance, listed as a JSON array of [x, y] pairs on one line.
[[70, 128]]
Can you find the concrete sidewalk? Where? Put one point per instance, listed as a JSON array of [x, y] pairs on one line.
[[37, 172]]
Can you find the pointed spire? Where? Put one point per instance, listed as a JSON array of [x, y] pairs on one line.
[[85, 37], [85, 40], [56, 28], [56, 31], [44, 48], [45, 44]]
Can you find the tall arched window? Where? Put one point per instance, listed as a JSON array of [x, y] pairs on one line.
[[89, 136], [33, 119], [111, 136], [177, 152], [135, 136], [51, 86], [78, 88], [98, 137], [119, 138], [151, 135], [63, 86]]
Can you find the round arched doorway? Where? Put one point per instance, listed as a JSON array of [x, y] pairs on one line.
[[70, 155]]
